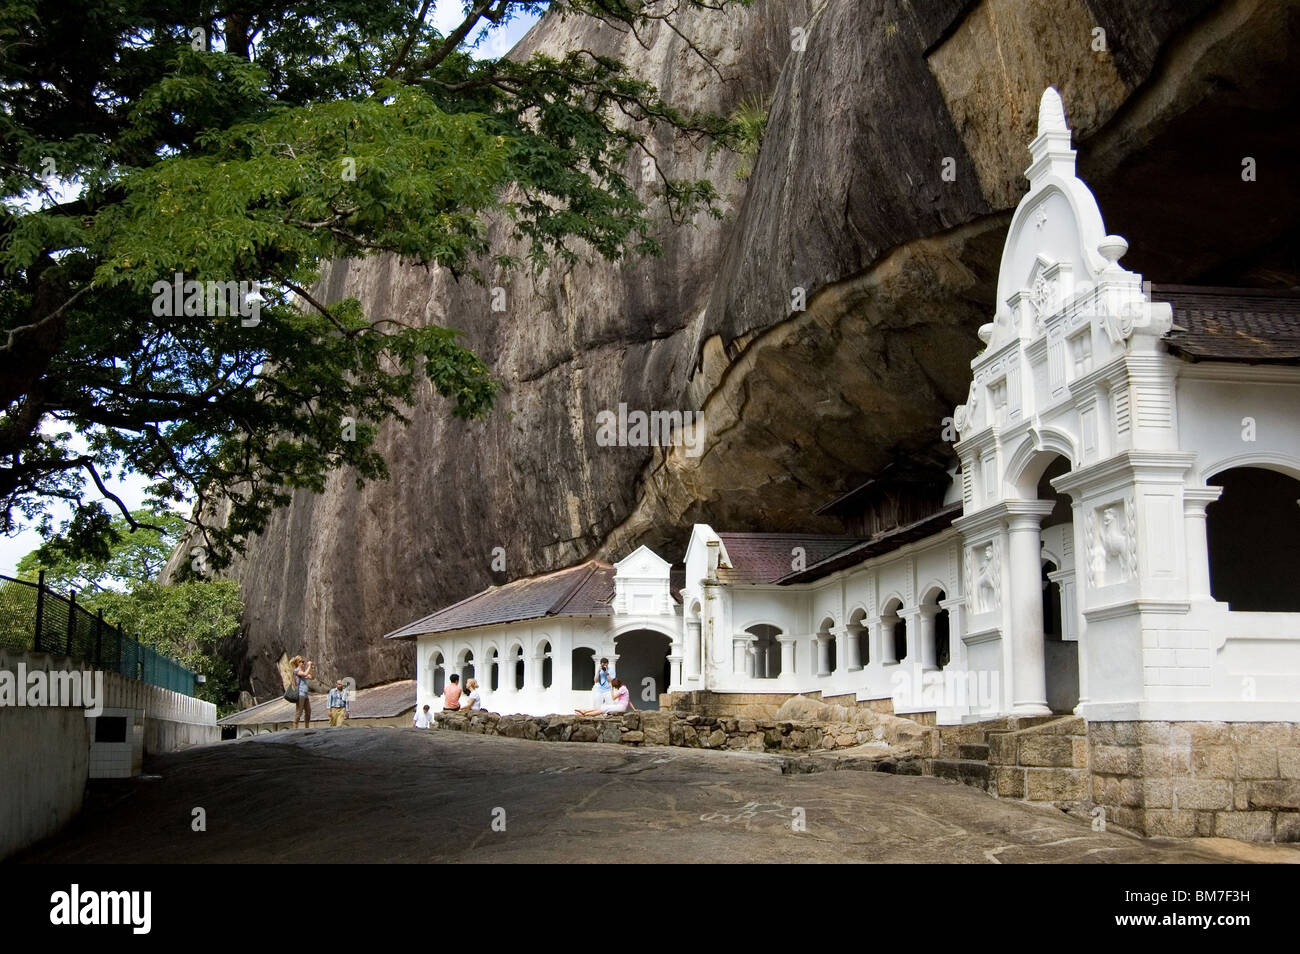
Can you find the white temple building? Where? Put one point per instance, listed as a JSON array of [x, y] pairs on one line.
[[1117, 535]]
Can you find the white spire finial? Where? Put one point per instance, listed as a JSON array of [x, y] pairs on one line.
[[1051, 113]]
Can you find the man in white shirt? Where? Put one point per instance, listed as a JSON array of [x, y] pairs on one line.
[[423, 719]]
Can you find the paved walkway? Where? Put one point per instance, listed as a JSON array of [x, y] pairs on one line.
[[395, 795]]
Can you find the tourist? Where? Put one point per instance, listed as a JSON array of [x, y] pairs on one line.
[[600, 685], [621, 701], [302, 671], [472, 700], [424, 719], [451, 695], [340, 708]]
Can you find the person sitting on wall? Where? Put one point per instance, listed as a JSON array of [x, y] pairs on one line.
[[471, 700], [451, 694], [621, 701]]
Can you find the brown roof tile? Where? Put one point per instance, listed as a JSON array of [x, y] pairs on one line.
[[878, 545], [583, 590], [376, 702], [767, 557], [1250, 325]]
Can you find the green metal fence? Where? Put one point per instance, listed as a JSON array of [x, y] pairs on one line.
[[33, 616]]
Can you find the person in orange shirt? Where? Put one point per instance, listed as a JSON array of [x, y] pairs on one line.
[[451, 694]]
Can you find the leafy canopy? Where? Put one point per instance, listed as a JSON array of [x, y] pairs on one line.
[[251, 142], [196, 622]]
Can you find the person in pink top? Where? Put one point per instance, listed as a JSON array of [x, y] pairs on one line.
[[620, 701], [451, 694]]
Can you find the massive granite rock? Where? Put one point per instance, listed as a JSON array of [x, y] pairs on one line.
[[893, 156]]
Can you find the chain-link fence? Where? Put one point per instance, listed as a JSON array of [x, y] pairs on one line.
[[33, 616]]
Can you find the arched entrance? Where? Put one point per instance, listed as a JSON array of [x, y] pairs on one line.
[[643, 665], [1253, 535], [766, 651], [583, 669], [1060, 653]]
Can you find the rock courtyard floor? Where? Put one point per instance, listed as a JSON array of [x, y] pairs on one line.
[[405, 795]]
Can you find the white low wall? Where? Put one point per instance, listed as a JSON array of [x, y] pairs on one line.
[[47, 751]]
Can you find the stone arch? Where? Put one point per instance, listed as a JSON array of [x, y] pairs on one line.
[[766, 650], [437, 671], [936, 630], [643, 665], [1035, 454], [1279, 463], [492, 658], [1251, 533], [465, 664], [547, 663], [515, 665], [582, 668], [859, 629], [893, 626], [826, 637]]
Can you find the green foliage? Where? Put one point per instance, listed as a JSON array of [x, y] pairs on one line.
[[102, 553], [295, 134], [750, 120], [196, 622]]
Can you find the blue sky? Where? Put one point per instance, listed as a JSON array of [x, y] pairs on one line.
[[447, 15]]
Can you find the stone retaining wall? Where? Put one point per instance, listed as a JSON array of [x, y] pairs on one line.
[[1229, 779], [757, 705], [1043, 763], [692, 731]]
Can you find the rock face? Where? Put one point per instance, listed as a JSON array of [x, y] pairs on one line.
[[894, 151]]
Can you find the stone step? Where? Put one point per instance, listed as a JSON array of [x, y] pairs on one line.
[[979, 753], [967, 771]]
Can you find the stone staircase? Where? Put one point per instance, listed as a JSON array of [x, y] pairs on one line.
[[1036, 759]]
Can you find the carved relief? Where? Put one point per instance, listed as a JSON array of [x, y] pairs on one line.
[[1112, 532], [986, 590]]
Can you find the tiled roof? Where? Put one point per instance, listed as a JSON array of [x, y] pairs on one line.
[[583, 590], [376, 702], [877, 546], [1249, 325], [767, 557]]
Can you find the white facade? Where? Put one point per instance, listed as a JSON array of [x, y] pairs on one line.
[[1085, 451]]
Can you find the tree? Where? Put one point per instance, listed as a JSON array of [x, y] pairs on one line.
[[195, 622], [116, 559], [176, 172]]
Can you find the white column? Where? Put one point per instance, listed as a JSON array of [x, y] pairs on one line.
[[841, 649], [929, 652], [674, 672], [1198, 550], [787, 655], [883, 628], [692, 660], [853, 647], [740, 654], [823, 654], [1025, 616]]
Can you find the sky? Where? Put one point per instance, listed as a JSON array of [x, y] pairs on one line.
[[13, 547]]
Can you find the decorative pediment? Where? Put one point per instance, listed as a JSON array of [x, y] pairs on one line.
[[642, 563], [641, 584]]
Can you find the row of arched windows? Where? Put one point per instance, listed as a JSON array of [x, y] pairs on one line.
[[765, 652]]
